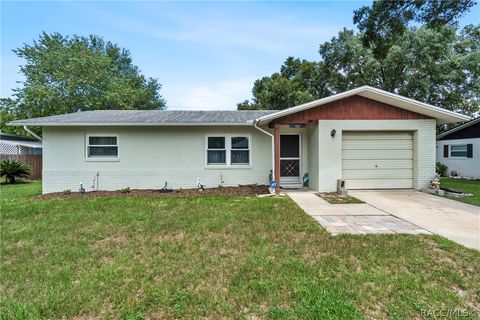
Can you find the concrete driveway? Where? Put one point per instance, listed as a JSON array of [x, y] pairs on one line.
[[451, 219]]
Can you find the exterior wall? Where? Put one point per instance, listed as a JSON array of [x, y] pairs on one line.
[[350, 108], [313, 154], [148, 156], [467, 167], [330, 149]]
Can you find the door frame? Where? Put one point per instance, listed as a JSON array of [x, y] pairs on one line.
[[300, 150]]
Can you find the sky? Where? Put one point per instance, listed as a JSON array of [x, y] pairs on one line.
[[206, 55]]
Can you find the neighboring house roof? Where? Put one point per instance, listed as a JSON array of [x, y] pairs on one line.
[[442, 115], [475, 133], [147, 117], [29, 144], [14, 137]]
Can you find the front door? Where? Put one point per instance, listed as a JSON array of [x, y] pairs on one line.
[[289, 159]]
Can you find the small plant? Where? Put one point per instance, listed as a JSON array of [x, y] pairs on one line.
[[125, 190], [66, 192], [441, 169], [13, 169]]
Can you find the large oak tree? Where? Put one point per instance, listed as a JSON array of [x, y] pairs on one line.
[[66, 74]]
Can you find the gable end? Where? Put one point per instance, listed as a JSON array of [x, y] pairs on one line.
[[351, 108]]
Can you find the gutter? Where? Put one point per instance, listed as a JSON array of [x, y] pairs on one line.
[[32, 133], [255, 121]]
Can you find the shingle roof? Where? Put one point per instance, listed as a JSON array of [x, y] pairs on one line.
[[147, 117]]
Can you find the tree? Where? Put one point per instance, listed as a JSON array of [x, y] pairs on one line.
[[437, 66], [297, 82], [435, 63], [64, 74], [385, 20]]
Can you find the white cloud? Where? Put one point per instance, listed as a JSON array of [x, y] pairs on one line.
[[207, 96], [220, 29]]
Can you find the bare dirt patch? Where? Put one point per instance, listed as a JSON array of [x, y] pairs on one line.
[[219, 191], [335, 198]]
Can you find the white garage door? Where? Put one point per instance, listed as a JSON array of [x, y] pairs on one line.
[[377, 160]]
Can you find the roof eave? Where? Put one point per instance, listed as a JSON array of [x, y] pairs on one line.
[[441, 115], [120, 124]]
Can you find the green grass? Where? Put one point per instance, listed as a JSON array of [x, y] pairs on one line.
[[470, 186], [215, 257]]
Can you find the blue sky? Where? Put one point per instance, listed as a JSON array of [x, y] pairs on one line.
[[206, 54]]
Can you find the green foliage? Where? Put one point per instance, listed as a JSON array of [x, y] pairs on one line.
[[466, 185], [441, 169], [125, 190], [12, 169], [64, 74], [435, 63], [66, 192], [385, 21]]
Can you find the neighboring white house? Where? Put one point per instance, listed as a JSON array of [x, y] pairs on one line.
[[11, 144], [459, 149], [368, 137]]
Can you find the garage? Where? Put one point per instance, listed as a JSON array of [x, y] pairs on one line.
[[377, 159]]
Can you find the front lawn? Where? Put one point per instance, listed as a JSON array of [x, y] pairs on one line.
[[470, 186], [215, 257]]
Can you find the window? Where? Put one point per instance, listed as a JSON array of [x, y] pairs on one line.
[[459, 151], [240, 153], [216, 150], [228, 150], [102, 147]]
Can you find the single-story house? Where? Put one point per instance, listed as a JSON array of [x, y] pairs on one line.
[[459, 149], [368, 137], [12, 144]]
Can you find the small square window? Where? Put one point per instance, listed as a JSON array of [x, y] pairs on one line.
[[239, 143], [216, 142], [458, 151]]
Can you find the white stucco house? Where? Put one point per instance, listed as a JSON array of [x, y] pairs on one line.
[[459, 149], [368, 137]]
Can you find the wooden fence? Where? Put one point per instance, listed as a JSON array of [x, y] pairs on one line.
[[33, 160]]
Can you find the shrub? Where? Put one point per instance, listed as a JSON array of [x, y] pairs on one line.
[[12, 169], [441, 169], [125, 190], [66, 192]]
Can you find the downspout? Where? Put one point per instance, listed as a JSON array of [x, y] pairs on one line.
[[32, 133], [255, 121]]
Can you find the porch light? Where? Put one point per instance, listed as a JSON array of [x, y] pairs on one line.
[[333, 132]]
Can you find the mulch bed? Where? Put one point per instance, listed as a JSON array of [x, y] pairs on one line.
[[222, 191]]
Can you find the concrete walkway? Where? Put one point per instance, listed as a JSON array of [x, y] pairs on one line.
[[351, 218], [451, 219]]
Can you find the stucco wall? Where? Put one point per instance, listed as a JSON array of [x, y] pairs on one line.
[[148, 156], [468, 167], [313, 149], [330, 149]]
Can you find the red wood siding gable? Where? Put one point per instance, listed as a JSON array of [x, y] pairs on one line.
[[350, 108]]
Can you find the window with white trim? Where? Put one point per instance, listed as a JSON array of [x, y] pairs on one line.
[[228, 150], [459, 151], [216, 150], [102, 146]]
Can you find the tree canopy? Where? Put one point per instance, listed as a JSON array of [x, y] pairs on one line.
[[435, 62], [65, 74]]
